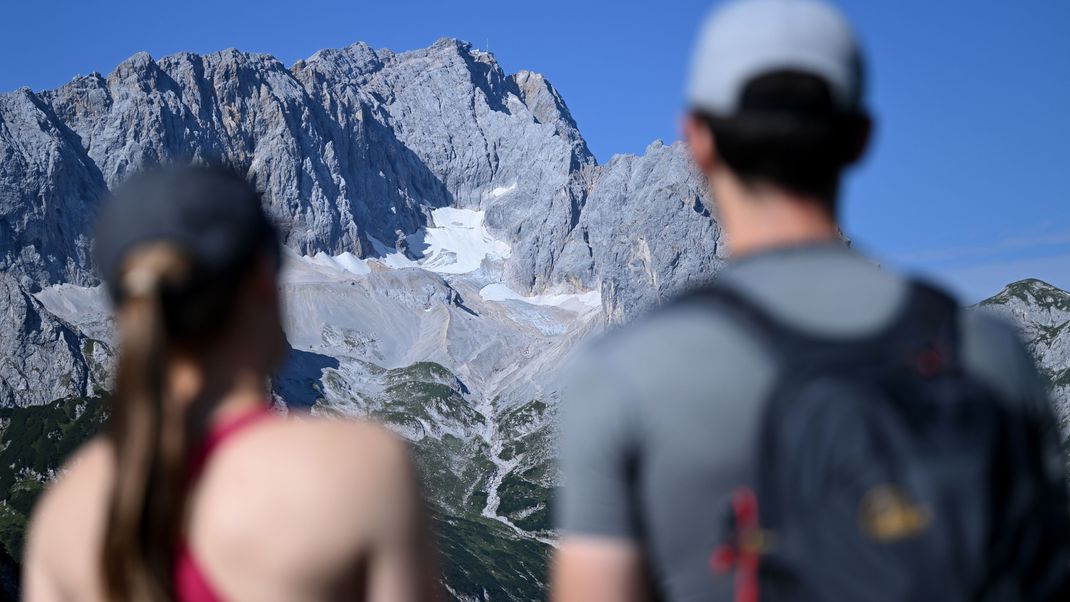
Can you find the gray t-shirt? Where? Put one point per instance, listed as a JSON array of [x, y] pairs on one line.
[[659, 418]]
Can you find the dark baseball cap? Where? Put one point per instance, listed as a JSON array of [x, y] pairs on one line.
[[210, 213]]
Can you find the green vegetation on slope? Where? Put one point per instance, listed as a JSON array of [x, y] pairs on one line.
[[34, 442], [525, 501], [484, 559], [526, 497], [481, 556]]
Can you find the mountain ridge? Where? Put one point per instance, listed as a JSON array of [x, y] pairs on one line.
[[352, 148]]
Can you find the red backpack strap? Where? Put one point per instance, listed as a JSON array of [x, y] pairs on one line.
[[743, 554]]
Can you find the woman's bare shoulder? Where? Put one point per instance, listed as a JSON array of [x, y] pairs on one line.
[[331, 451], [333, 435], [68, 521], [342, 477], [80, 485]]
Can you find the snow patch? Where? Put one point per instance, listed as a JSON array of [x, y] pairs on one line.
[[571, 301], [456, 243], [502, 190], [346, 262], [352, 264], [321, 267]]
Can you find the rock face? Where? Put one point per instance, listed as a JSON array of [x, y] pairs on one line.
[[648, 230], [1042, 313], [43, 358], [49, 189]]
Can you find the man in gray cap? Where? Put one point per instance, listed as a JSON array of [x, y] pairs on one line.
[[660, 421]]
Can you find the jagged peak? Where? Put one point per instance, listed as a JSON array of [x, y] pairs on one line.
[[138, 65], [656, 145], [233, 55], [139, 61], [219, 57], [446, 42], [525, 74], [462, 48], [356, 48], [79, 82], [358, 57], [360, 46], [27, 99], [547, 105]]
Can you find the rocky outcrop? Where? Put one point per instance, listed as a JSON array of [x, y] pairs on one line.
[[505, 144], [49, 189], [648, 229], [1042, 313], [329, 185], [43, 358]]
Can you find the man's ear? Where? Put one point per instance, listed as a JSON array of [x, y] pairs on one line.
[[700, 140]]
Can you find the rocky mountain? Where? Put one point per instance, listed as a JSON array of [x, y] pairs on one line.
[[42, 357], [352, 147], [1042, 313]]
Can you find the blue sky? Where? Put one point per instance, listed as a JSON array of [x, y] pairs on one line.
[[969, 177]]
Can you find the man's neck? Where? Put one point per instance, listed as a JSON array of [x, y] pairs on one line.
[[775, 234], [758, 219]]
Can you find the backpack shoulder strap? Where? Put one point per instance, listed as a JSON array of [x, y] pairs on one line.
[[928, 324], [735, 305], [927, 319]]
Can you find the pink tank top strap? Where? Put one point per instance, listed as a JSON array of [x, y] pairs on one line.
[[220, 433], [190, 582]]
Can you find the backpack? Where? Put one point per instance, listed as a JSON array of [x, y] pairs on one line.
[[885, 472]]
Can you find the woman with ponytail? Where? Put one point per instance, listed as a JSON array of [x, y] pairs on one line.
[[197, 490]]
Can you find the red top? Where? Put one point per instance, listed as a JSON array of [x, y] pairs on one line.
[[191, 585]]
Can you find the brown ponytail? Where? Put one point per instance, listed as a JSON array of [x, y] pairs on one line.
[[149, 436]]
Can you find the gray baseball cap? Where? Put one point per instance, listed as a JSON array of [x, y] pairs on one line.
[[746, 39]]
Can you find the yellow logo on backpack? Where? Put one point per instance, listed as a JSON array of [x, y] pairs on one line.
[[888, 514]]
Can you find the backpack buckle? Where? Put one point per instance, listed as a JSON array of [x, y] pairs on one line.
[[746, 545]]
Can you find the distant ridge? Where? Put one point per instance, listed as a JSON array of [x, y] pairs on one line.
[[1042, 313]]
